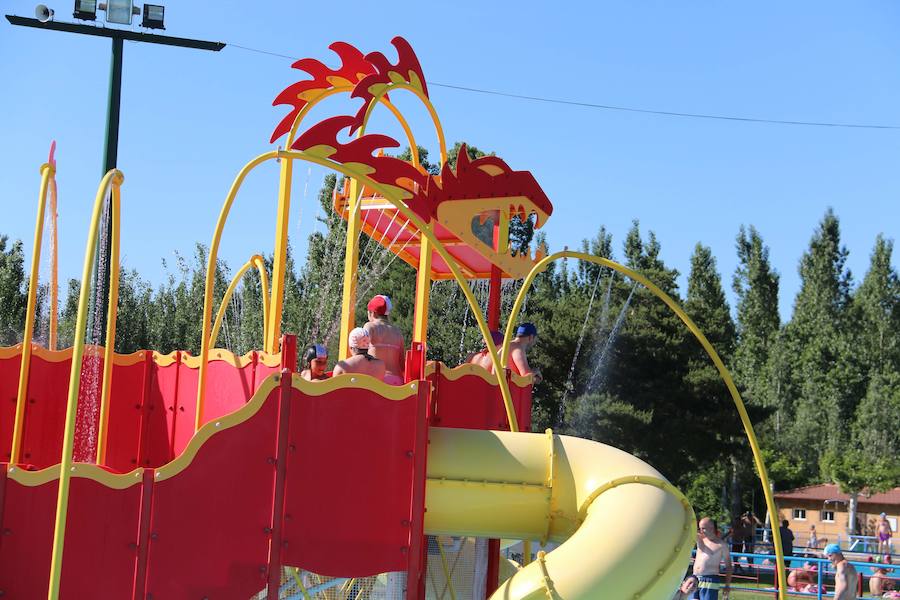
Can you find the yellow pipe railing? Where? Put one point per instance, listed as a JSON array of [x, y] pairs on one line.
[[113, 178], [707, 346], [206, 326], [54, 267], [284, 192], [111, 312], [255, 261], [48, 172]]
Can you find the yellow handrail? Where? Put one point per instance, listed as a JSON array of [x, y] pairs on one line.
[[257, 261], [707, 346], [48, 171], [113, 178]]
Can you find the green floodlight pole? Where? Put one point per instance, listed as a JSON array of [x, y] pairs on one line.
[[111, 142]]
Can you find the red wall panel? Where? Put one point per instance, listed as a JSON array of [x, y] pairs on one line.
[[209, 535], [27, 528], [126, 415], [101, 541], [9, 389], [349, 482]]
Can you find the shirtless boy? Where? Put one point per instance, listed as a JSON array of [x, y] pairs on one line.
[[526, 338], [387, 343], [711, 552], [360, 361], [844, 574]]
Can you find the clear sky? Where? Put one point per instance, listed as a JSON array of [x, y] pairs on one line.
[[191, 119]]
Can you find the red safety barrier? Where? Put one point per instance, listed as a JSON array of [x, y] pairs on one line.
[[27, 528], [342, 448], [124, 433], [10, 359], [209, 531], [464, 398]]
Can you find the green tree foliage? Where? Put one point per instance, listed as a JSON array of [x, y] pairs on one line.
[[755, 285], [13, 286], [824, 379]]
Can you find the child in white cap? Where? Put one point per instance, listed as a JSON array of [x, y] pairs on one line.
[[360, 360]]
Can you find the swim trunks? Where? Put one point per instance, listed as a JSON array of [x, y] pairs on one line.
[[392, 379], [708, 588]]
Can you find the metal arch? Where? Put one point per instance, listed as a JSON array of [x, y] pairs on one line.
[[707, 346]]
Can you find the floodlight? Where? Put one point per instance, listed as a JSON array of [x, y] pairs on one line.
[[119, 11], [86, 10], [153, 16]]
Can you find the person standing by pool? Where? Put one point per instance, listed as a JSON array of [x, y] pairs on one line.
[[884, 533], [844, 574], [787, 538], [711, 552], [387, 343]]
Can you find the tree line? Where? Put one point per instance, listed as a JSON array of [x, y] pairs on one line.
[[822, 389]]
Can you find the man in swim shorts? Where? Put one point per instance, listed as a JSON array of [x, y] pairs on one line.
[[711, 552], [526, 338], [314, 362], [361, 362], [884, 532], [844, 573], [387, 343]]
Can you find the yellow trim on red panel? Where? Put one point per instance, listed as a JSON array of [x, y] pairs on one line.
[[355, 381], [32, 478], [61, 355], [125, 360], [10, 351], [269, 360], [164, 360], [183, 460], [462, 370]]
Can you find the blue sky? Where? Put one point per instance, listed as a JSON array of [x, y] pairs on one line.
[[191, 119]]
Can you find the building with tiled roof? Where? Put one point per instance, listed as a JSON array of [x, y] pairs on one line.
[[826, 507]]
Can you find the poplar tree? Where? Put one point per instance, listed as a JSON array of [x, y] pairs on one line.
[[13, 285], [823, 379], [755, 285]]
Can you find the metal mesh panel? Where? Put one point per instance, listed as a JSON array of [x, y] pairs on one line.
[[456, 570], [297, 584]]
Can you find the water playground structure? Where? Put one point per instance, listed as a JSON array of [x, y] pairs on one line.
[[172, 476]]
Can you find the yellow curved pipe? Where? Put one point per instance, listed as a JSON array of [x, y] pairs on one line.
[[48, 172], [206, 326], [54, 267], [113, 178], [255, 261], [707, 346], [112, 305], [439, 130], [626, 532]]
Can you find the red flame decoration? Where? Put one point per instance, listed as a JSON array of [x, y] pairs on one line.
[[387, 169], [407, 62], [354, 68], [485, 177]]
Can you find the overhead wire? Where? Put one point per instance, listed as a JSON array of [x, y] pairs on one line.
[[621, 108]]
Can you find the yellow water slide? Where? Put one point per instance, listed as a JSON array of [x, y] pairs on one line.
[[626, 532]]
